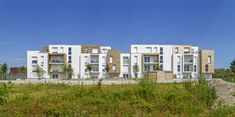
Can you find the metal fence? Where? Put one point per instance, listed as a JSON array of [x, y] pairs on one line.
[[12, 77]]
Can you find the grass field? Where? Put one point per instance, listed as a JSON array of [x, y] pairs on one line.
[[143, 99]]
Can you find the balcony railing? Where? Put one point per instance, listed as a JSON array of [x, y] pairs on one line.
[[94, 61], [57, 61]]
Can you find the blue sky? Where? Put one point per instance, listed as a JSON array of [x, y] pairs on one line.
[[31, 24]]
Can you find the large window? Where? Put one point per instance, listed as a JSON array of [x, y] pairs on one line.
[[209, 59], [146, 67], [186, 50], [195, 68], [146, 59], [125, 60]]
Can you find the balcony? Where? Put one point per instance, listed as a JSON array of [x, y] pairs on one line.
[[56, 68], [188, 59], [56, 71], [188, 68], [57, 61], [151, 59], [56, 58], [94, 59]]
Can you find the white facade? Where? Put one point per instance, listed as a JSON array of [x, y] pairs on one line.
[[34, 59], [182, 65], [164, 52], [125, 65]]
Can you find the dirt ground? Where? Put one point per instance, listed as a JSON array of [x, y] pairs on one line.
[[225, 91]]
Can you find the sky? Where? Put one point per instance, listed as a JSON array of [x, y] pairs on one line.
[[32, 24]]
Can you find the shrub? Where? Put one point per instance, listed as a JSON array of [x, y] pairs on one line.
[[3, 94]]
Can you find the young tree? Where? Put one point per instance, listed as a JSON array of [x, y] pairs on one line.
[[156, 67], [22, 70], [89, 68], [4, 69], [136, 69], [107, 70], [232, 66], [39, 71], [68, 71]]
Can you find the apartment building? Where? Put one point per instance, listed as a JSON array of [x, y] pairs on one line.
[[167, 62]]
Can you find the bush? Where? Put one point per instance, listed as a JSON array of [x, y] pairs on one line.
[[3, 94]]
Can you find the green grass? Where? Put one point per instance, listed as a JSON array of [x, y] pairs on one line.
[[144, 99], [232, 80]]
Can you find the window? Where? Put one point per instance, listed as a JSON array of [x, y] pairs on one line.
[[161, 59], [86, 50], [186, 67], [103, 59], [136, 60], [70, 49], [34, 57], [195, 68], [54, 47], [42, 63], [176, 50], [103, 68], [192, 50], [146, 67], [161, 67], [146, 59], [149, 49], [161, 50], [206, 68], [136, 49], [34, 62], [95, 68], [155, 49], [42, 56], [70, 59], [95, 51], [111, 59], [125, 60], [178, 59], [125, 75], [186, 50], [209, 59], [114, 68], [178, 68]]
